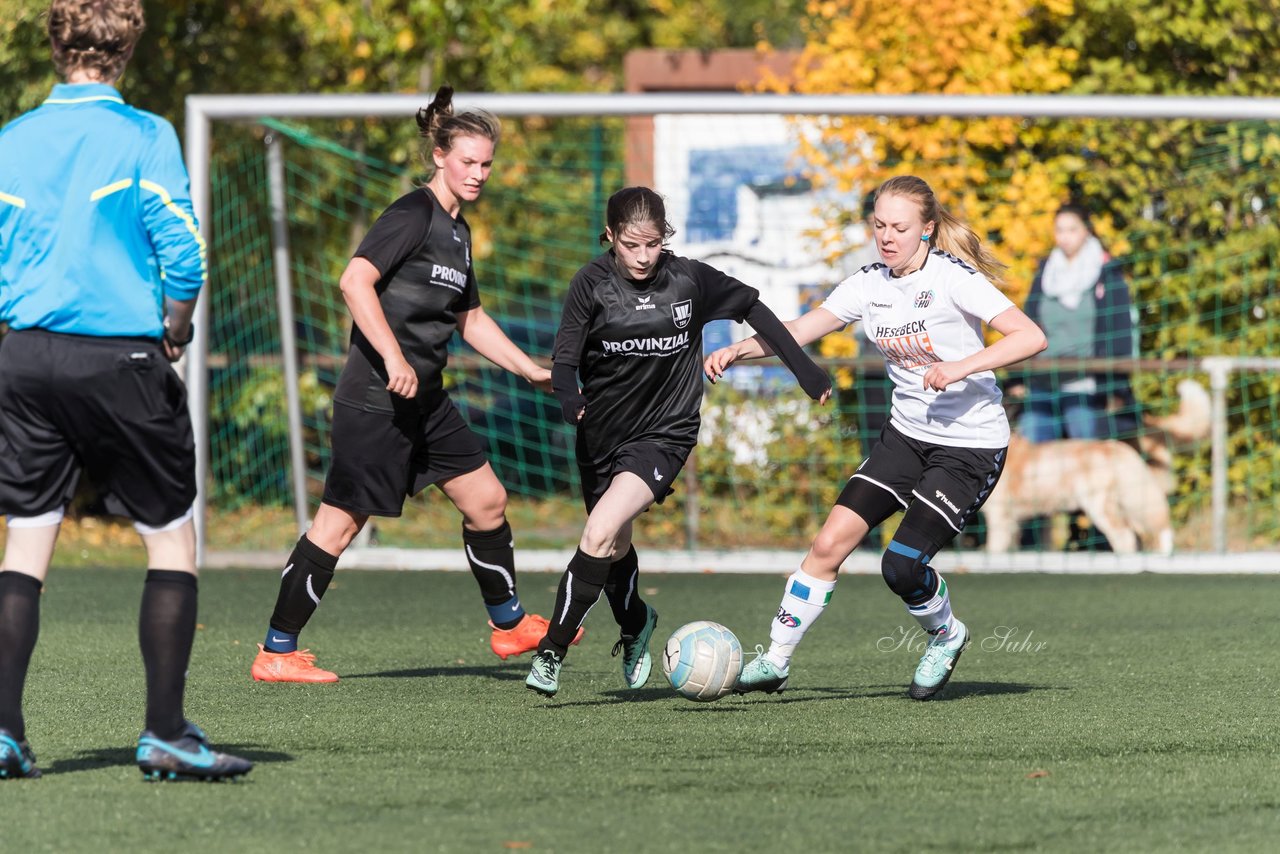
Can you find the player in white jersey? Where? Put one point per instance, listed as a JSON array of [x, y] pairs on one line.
[[943, 448]]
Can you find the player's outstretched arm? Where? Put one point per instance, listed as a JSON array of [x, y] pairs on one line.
[[483, 333], [778, 338], [805, 329], [1022, 340], [357, 284]]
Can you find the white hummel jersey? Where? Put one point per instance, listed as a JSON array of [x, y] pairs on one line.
[[933, 315]]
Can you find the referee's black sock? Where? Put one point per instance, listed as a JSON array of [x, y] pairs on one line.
[[302, 584], [166, 629], [579, 589], [491, 555], [628, 608], [19, 626]]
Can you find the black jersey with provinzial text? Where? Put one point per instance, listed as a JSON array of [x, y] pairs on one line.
[[424, 256], [638, 348]]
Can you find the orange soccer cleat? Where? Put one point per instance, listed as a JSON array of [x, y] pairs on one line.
[[523, 638], [296, 666]]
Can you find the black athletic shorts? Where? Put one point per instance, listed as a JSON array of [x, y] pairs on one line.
[[113, 408], [952, 482], [657, 465], [381, 458]]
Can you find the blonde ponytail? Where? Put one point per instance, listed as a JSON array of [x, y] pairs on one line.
[[956, 238]]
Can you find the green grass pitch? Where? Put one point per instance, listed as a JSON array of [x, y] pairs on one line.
[[1125, 713]]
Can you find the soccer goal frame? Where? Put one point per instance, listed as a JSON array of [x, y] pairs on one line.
[[203, 110]]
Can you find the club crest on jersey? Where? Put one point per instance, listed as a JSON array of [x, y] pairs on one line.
[[923, 299], [682, 312], [645, 303]]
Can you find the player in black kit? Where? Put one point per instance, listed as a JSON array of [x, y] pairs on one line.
[[395, 430], [632, 330]]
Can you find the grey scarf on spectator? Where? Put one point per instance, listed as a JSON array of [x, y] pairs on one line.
[[1068, 279]]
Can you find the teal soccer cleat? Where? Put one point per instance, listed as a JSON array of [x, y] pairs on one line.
[[544, 675], [939, 661], [762, 675], [636, 660], [187, 757]]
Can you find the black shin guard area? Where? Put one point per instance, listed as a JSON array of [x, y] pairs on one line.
[[579, 590], [628, 608], [306, 577], [492, 560], [19, 627], [166, 630]]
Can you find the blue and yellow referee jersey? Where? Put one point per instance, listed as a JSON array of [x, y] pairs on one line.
[[96, 225]]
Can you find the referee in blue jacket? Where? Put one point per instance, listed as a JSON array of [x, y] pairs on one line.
[[100, 265]]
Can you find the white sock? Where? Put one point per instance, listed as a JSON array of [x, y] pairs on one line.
[[935, 617], [803, 601]]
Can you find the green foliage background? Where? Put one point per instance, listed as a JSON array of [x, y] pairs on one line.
[[1190, 205]]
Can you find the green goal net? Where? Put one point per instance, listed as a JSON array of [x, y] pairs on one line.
[[769, 463]]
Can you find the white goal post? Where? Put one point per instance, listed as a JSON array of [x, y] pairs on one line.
[[203, 110]]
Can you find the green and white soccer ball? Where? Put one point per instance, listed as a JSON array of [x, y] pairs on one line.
[[702, 660]]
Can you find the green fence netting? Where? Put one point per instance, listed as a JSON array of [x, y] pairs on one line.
[[769, 463]]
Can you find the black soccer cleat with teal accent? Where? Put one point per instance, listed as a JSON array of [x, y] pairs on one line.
[[16, 759], [188, 757]]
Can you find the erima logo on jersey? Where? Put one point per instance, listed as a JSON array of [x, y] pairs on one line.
[[645, 304], [657, 475], [660, 346], [448, 274]]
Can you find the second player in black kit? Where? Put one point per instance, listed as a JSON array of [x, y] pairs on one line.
[[409, 286], [632, 331]]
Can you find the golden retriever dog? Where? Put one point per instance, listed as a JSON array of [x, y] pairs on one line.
[[1124, 496]]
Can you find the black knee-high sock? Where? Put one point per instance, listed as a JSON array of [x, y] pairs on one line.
[[579, 589], [628, 608], [166, 629], [306, 576], [491, 555], [19, 626]]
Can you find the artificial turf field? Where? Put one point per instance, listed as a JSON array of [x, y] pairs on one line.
[[1121, 713]]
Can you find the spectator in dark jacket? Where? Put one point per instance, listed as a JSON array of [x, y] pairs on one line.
[[1081, 300]]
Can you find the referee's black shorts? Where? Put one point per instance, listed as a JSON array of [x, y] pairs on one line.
[[381, 458], [903, 473], [657, 465], [111, 407]]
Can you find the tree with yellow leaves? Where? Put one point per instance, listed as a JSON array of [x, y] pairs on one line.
[[986, 168]]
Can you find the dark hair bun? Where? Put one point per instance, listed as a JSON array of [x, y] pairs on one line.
[[441, 105]]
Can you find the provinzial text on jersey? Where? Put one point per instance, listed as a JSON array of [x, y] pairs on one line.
[[659, 346], [448, 275]]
